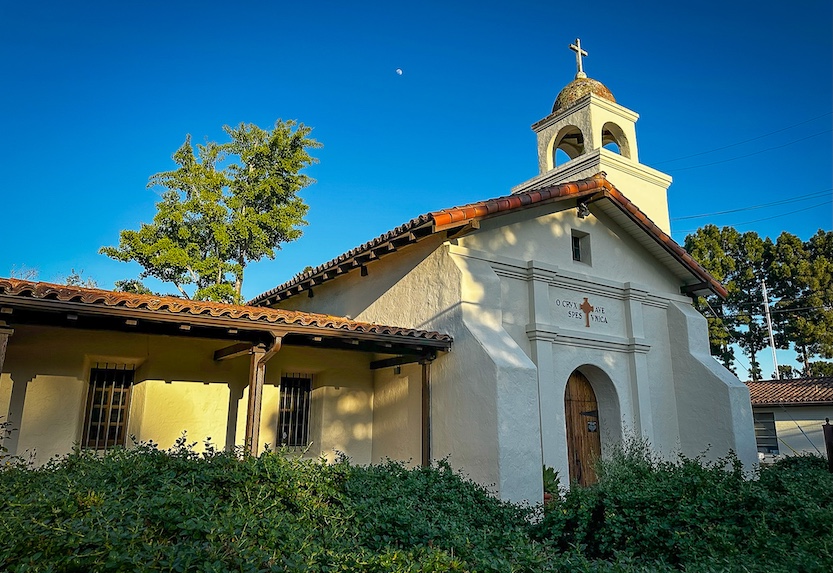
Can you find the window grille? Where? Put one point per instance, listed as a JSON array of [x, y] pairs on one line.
[[293, 410], [765, 434], [576, 248], [108, 403]]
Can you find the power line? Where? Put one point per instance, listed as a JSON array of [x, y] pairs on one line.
[[732, 338], [773, 311], [741, 142], [768, 218], [785, 214], [761, 206], [753, 153]]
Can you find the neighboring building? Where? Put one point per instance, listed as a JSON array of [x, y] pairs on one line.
[[568, 303], [789, 415]]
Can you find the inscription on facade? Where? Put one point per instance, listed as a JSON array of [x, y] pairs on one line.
[[582, 311]]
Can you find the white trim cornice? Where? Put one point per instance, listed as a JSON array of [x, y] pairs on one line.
[[584, 102], [597, 341], [600, 160]]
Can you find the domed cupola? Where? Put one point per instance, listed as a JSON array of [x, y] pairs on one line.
[[588, 132], [577, 89]]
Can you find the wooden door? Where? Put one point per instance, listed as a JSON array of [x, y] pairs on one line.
[[584, 446]]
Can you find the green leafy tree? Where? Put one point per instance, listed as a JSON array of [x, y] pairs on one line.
[[711, 247], [224, 206], [819, 368], [786, 372], [801, 274], [77, 278], [132, 286], [745, 300], [799, 277], [736, 260]]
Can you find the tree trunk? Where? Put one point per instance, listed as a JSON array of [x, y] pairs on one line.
[[238, 282], [180, 289], [805, 359]]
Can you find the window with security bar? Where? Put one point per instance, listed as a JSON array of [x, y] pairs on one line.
[[293, 411], [765, 434], [108, 404]]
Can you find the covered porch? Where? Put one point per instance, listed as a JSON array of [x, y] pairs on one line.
[[242, 376]]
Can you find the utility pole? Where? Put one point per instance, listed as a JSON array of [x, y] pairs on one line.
[[769, 328]]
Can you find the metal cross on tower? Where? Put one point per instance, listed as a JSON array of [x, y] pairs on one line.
[[579, 53]]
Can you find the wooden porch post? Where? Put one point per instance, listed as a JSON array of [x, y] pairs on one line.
[[5, 334], [426, 413], [257, 374]]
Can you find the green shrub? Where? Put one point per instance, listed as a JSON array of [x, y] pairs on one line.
[[688, 513], [144, 509], [434, 507]]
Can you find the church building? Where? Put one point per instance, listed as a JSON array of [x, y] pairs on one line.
[[541, 327], [569, 305]]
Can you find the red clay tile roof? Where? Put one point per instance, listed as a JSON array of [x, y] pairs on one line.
[[799, 391], [12, 290], [592, 188]]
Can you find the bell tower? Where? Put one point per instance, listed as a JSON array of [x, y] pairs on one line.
[[588, 133]]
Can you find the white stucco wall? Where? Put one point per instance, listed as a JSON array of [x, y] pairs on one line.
[[397, 414], [509, 294], [483, 393], [713, 407]]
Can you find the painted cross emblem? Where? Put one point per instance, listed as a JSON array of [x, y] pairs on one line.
[[587, 308]]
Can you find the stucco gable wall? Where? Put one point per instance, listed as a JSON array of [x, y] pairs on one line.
[[429, 295], [484, 392], [351, 294], [537, 234]]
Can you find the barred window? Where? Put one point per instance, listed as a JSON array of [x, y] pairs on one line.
[[765, 434], [293, 410], [108, 403]]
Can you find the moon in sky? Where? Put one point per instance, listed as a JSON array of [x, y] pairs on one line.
[[398, 71]]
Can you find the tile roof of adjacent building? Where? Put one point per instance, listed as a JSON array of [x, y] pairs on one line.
[[591, 189], [12, 290], [797, 391]]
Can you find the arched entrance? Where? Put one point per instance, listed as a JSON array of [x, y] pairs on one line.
[[584, 445]]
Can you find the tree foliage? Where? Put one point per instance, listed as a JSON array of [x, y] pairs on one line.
[[77, 279], [223, 206], [132, 286], [799, 279]]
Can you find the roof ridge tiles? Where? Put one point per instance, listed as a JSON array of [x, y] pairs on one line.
[[453, 217], [449, 216]]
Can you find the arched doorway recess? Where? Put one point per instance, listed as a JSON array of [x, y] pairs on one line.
[[584, 445]]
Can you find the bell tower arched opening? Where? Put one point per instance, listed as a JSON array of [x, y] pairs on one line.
[[567, 144], [614, 139]]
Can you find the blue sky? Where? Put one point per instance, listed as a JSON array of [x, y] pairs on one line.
[[98, 95]]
